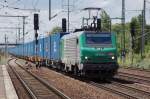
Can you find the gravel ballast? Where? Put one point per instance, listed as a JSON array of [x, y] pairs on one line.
[[72, 87]]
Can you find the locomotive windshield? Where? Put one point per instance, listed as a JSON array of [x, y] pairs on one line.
[[98, 39]]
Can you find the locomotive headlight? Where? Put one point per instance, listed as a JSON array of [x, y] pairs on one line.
[[113, 57], [86, 57]]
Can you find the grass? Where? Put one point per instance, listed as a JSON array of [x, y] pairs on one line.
[[137, 61]]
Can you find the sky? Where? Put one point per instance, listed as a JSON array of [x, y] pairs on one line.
[[8, 7]]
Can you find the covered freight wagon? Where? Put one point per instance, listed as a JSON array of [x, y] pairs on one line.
[[47, 50], [47, 47], [31, 50], [41, 48], [55, 48]]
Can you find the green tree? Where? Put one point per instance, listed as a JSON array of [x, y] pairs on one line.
[[105, 21], [116, 28], [147, 37], [56, 30], [137, 22]]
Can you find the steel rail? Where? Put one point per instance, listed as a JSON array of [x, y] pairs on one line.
[[50, 87], [135, 68], [128, 96], [32, 95], [134, 76], [132, 88]]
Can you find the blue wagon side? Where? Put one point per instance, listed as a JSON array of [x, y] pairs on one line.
[[41, 48], [55, 48], [47, 50]]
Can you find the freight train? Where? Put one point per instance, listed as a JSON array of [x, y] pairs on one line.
[[85, 53]]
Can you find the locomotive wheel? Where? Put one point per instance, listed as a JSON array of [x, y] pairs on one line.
[[67, 70], [62, 67]]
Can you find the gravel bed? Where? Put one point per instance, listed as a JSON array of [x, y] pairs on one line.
[[21, 92], [136, 72], [73, 88]]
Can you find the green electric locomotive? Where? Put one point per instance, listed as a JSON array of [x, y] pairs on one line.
[[92, 54]]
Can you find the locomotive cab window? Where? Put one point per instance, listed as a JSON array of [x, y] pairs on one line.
[[98, 39]]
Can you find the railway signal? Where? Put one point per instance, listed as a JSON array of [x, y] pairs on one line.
[[36, 22], [36, 36], [36, 27], [132, 31], [99, 24], [64, 25]]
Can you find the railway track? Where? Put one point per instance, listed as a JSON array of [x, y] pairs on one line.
[[138, 69], [126, 90], [36, 87], [135, 78], [132, 88], [123, 90]]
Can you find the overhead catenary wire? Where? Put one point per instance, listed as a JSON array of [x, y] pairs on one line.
[[35, 3], [78, 1], [15, 2]]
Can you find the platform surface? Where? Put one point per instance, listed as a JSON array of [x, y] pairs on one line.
[[7, 90]]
